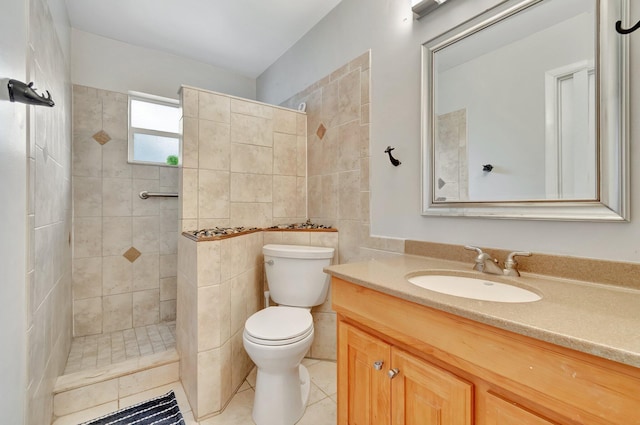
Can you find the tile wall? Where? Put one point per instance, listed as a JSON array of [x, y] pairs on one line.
[[125, 248], [49, 216], [243, 162], [221, 284], [338, 157]]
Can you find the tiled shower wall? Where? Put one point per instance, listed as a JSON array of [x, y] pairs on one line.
[[338, 158], [125, 248], [49, 217], [243, 162]]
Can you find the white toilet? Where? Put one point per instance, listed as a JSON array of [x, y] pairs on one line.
[[277, 338]]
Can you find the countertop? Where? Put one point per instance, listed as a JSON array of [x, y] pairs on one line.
[[602, 320]]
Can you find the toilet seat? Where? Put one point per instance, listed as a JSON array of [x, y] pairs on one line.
[[278, 326]]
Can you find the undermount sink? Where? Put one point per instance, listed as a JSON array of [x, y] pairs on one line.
[[475, 288]]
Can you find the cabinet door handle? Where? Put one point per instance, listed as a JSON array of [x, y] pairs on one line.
[[378, 365], [393, 372]]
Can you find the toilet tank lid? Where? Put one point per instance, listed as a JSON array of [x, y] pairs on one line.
[[297, 251]]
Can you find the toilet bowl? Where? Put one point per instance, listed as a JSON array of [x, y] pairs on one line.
[[277, 338], [282, 383]]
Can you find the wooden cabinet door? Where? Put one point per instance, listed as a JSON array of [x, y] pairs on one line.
[[363, 390], [501, 412], [424, 394]]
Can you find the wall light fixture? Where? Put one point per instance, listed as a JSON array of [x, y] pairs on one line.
[[424, 7]]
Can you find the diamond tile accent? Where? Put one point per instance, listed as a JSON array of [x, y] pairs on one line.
[[132, 254], [321, 131], [101, 137]]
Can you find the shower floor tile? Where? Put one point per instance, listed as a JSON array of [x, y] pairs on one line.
[[89, 352]]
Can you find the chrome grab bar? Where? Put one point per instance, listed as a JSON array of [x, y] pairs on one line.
[[144, 195]]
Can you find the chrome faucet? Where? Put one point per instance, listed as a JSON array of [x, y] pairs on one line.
[[511, 265], [484, 262]]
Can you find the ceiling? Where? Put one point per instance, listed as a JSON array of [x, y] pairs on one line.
[[245, 36]]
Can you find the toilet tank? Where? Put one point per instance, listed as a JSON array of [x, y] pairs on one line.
[[294, 274]]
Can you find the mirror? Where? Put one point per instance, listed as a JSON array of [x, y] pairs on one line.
[[525, 113]]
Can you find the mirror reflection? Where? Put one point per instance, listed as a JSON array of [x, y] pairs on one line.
[[514, 108]]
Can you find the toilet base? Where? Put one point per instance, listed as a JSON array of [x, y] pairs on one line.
[[281, 399]]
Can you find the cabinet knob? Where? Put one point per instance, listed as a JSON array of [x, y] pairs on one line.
[[378, 365], [393, 372]]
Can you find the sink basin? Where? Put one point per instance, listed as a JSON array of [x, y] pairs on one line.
[[474, 288]]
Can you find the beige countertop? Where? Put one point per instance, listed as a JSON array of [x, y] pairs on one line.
[[602, 320]]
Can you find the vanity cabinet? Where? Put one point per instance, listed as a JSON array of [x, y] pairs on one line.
[[452, 370], [386, 385]]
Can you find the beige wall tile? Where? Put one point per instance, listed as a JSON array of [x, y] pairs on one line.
[[324, 341], [213, 193], [362, 62], [145, 207], [145, 172], [190, 138], [314, 199], [189, 100], [329, 152], [301, 197], [248, 107], [167, 311], [116, 235], [116, 197], [117, 312], [251, 187], [114, 160], [87, 316], [87, 237], [146, 307], [209, 223], [349, 146], [189, 193], [146, 272], [145, 234], [187, 258], [168, 178], [209, 382], [329, 106], [238, 309], [117, 275], [208, 311], [251, 214], [285, 192], [285, 154], [350, 91], [251, 159], [272, 238], [208, 263], [214, 107], [85, 397], [147, 379], [349, 195], [301, 125], [364, 207], [87, 277], [329, 196], [251, 130], [86, 156], [301, 156], [168, 264], [87, 114], [296, 238], [213, 145], [242, 364], [224, 306], [168, 288], [285, 121], [87, 197]]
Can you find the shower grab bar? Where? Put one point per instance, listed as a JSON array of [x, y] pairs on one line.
[[144, 195]]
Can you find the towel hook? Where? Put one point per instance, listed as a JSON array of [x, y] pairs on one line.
[[26, 93], [626, 30], [394, 161]]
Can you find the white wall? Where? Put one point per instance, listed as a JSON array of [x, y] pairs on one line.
[[116, 66], [357, 25], [13, 215]]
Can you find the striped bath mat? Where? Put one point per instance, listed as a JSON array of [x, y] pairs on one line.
[[161, 410]]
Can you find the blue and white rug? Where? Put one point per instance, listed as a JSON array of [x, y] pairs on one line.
[[161, 410]]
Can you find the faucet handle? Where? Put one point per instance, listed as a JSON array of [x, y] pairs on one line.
[[510, 266], [474, 248]]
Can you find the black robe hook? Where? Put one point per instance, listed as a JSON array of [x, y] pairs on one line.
[[26, 93], [627, 30], [394, 161]]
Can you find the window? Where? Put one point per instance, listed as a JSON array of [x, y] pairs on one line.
[[154, 130]]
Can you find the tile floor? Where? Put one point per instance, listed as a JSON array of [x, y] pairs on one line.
[[89, 352], [321, 408]]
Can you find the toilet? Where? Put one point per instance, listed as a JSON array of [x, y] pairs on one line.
[[277, 338]]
